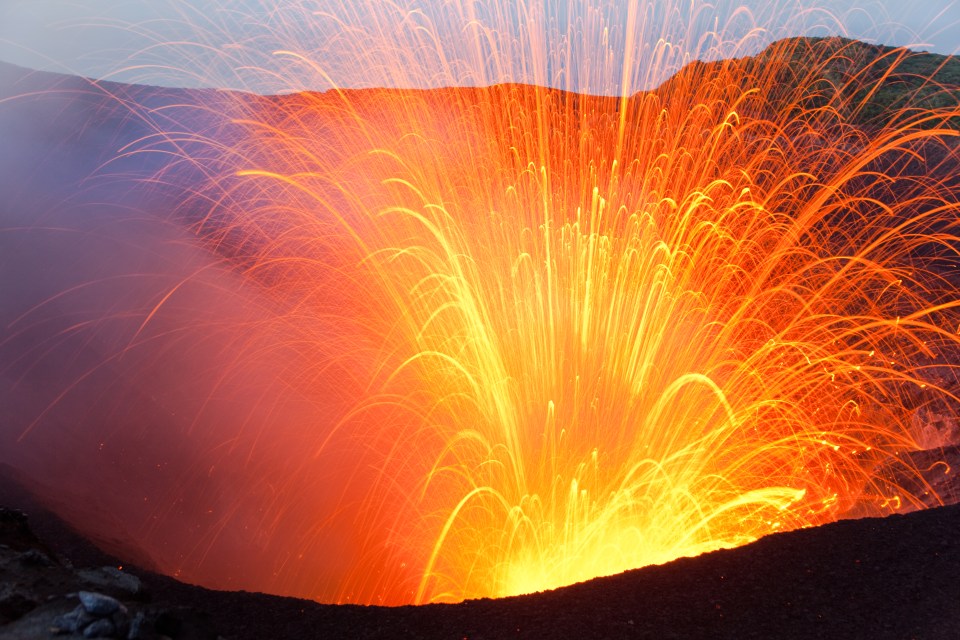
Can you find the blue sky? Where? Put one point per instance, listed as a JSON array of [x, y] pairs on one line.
[[233, 43]]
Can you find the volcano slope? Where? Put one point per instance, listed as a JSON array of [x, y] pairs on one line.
[[877, 578], [99, 377]]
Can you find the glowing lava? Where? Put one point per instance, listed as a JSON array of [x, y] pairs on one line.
[[590, 334], [550, 335]]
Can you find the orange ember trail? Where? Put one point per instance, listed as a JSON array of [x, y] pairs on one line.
[[587, 334], [542, 335]]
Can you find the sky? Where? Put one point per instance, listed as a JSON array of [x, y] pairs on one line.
[[355, 43]]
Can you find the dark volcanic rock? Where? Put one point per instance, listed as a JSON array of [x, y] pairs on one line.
[[73, 622], [15, 601], [897, 577], [893, 577], [112, 580], [98, 604], [102, 628]]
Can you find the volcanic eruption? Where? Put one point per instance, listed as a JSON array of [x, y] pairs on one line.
[[516, 335]]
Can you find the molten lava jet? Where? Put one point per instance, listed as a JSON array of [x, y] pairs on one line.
[[536, 336]]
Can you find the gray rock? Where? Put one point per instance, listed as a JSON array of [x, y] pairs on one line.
[[136, 626], [99, 604], [112, 578], [102, 628], [72, 622], [35, 558]]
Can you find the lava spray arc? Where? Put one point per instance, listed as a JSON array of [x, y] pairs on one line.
[[583, 328], [592, 333]]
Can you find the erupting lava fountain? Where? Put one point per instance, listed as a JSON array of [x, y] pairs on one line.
[[554, 327]]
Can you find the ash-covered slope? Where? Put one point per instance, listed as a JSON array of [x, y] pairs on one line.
[[893, 578], [864, 84], [96, 397]]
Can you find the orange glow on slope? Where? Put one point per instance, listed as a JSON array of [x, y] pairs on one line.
[[587, 334], [496, 338]]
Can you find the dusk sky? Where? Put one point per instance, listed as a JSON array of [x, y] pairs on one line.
[[231, 43]]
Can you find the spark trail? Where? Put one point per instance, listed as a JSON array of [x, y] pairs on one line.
[[549, 327], [589, 334]]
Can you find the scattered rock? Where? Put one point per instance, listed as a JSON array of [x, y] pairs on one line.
[[97, 616], [42, 595], [136, 627], [98, 604], [113, 579], [34, 558], [72, 622], [102, 628]]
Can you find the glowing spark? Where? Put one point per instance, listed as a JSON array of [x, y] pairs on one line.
[[602, 323], [584, 333]]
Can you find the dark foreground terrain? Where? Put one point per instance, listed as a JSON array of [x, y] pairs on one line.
[[896, 577]]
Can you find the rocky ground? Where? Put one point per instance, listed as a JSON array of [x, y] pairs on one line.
[[895, 577]]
